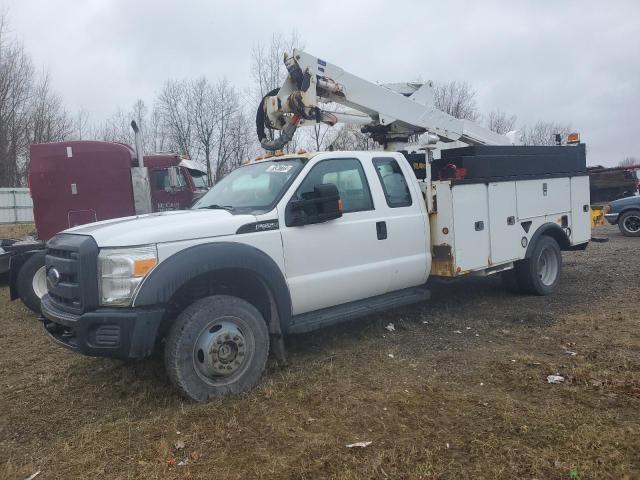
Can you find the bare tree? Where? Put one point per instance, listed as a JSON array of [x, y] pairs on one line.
[[204, 108], [267, 62], [173, 106], [240, 141], [544, 133], [48, 121], [81, 128], [457, 99], [349, 137], [116, 128], [627, 162], [500, 122], [16, 80], [228, 108]]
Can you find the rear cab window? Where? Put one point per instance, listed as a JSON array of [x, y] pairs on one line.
[[393, 182]]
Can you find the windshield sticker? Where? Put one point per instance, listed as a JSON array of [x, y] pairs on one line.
[[279, 168]]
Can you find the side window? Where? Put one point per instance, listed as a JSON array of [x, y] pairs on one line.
[[347, 175], [160, 179], [394, 183]]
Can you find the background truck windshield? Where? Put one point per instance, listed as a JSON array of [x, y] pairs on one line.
[[255, 187]]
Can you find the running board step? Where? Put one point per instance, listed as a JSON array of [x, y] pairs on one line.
[[348, 311]]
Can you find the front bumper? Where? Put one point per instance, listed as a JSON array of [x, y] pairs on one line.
[[106, 332], [612, 218], [5, 261]]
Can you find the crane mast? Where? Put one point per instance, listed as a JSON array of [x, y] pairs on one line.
[[391, 113]]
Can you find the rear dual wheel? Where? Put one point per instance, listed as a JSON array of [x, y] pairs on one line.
[[540, 273]]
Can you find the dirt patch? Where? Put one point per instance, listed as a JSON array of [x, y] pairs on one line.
[[464, 394]]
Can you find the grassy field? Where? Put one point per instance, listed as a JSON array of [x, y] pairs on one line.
[[458, 390]]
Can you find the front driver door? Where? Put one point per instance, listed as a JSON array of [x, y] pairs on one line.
[[340, 260]]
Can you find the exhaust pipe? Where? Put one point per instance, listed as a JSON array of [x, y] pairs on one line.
[[140, 177], [138, 142]]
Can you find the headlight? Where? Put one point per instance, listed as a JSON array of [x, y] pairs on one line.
[[606, 209], [121, 270]]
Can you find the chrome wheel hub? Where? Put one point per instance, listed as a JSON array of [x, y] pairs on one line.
[[220, 350]]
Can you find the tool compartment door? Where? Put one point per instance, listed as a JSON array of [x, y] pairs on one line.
[[580, 214], [544, 196], [504, 229], [471, 226]]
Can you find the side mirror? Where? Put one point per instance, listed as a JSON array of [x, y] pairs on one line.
[[321, 205], [174, 179]]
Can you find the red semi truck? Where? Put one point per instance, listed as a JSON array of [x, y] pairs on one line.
[[79, 182]]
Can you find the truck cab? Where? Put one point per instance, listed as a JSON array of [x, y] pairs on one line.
[[79, 182], [292, 243]]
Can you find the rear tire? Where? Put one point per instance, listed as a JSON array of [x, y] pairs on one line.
[[32, 282], [217, 346], [540, 273], [629, 223]]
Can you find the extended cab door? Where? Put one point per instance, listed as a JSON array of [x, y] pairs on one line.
[[340, 260], [403, 218]]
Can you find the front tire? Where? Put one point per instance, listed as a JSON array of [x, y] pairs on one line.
[[32, 281], [540, 273], [217, 346], [629, 223]]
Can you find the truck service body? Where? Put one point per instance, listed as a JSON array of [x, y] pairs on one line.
[[291, 243]]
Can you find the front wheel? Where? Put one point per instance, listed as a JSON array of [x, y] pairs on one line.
[[32, 281], [217, 346], [629, 223], [540, 273]]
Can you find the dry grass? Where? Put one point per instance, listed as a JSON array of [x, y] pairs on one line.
[[17, 231], [447, 405]]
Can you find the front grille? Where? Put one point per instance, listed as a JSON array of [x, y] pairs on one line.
[[74, 259], [67, 292]]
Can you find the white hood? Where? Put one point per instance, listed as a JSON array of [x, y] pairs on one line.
[[162, 227]]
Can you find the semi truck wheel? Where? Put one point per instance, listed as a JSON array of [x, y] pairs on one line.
[[540, 273], [217, 346], [629, 223], [32, 281]]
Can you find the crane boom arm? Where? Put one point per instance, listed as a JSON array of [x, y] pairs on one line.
[[390, 113]]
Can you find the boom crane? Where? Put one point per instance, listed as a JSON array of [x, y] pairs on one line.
[[390, 113]]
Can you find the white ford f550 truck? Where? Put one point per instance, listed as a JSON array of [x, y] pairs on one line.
[[292, 243]]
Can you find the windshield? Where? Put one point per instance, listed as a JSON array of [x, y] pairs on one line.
[[199, 179], [255, 187]]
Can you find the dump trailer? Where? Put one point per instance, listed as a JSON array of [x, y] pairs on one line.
[[79, 182]]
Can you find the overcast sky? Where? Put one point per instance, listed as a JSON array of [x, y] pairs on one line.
[[570, 62]]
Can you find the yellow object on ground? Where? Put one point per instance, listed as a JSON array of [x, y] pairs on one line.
[[597, 216]]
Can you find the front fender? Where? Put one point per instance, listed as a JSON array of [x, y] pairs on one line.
[[165, 280]]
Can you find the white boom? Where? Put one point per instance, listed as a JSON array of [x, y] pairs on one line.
[[390, 113]]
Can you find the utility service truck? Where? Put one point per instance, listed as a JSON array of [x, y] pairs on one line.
[[290, 243]]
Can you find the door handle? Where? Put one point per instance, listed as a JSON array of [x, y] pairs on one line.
[[381, 230]]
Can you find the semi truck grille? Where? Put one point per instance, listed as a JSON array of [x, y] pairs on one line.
[[72, 272]]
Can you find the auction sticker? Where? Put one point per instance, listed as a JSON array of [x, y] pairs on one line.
[[279, 168]]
